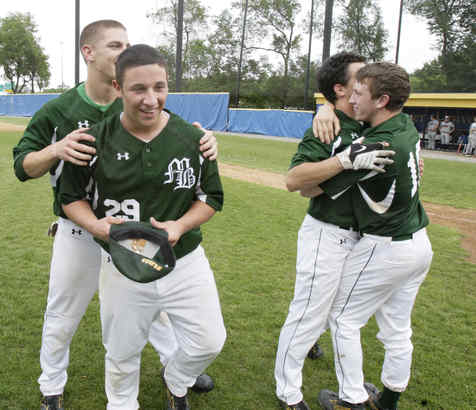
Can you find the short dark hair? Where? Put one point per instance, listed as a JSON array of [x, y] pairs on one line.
[[136, 56], [386, 79], [334, 71], [91, 31]]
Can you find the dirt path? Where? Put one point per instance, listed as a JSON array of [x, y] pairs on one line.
[[5, 126], [464, 220]]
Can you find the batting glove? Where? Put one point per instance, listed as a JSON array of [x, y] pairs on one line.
[[359, 156]]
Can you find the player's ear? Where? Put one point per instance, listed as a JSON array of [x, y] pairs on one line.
[[88, 54], [339, 90], [382, 101], [116, 86]]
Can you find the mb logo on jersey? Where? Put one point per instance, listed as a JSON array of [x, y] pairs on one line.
[[180, 173], [124, 156]]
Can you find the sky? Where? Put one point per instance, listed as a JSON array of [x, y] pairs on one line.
[[55, 22]]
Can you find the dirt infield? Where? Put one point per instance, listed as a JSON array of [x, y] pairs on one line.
[[6, 126], [464, 220]]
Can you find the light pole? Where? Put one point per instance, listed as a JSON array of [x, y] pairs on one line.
[[62, 82], [308, 68], [399, 30]]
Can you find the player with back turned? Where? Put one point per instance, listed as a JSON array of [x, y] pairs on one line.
[[386, 267], [148, 167], [51, 139], [329, 230]]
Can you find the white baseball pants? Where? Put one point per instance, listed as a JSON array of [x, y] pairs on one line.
[[322, 249], [381, 277], [189, 297], [74, 278]]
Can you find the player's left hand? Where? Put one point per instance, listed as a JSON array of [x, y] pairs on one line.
[[359, 156], [173, 228], [208, 143]]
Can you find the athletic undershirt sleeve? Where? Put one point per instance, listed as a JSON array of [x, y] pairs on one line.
[[210, 190], [39, 133]]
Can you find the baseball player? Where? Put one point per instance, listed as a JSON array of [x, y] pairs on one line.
[[446, 129], [51, 139], [384, 270], [471, 145], [148, 166], [431, 131], [328, 232]]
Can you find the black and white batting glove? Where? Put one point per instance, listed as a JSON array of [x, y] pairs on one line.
[[359, 156]]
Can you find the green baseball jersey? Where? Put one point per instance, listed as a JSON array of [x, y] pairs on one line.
[[387, 204], [52, 122], [136, 180], [311, 149]]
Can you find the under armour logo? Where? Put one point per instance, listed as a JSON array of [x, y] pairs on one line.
[[122, 156], [83, 124], [76, 231], [341, 241]]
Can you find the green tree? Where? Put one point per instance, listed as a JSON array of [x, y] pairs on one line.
[[361, 29], [453, 22], [194, 19], [21, 57], [276, 19]]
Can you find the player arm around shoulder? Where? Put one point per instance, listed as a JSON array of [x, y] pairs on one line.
[[69, 149], [208, 143]]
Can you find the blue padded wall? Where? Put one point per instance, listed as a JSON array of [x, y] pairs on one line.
[[279, 123]]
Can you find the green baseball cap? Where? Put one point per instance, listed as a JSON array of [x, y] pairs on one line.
[[141, 252]]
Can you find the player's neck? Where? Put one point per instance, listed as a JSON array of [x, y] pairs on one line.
[[382, 116], [101, 92], [145, 133]]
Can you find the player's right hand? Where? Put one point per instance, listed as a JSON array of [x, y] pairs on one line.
[[102, 226], [71, 150]]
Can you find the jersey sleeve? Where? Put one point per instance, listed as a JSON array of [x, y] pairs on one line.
[[210, 190], [39, 133], [310, 149], [75, 181]]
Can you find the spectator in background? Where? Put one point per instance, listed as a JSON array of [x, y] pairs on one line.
[[431, 131], [462, 143], [446, 129], [471, 145]]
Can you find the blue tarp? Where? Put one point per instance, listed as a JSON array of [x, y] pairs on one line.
[[211, 109], [23, 105], [279, 123]]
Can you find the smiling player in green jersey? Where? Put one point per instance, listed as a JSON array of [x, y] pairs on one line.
[[329, 230], [52, 138], [148, 167], [386, 267]]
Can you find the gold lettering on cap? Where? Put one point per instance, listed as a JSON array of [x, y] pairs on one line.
[[152, 264]]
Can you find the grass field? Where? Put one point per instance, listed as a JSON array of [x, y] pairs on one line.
[[251, 246]]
